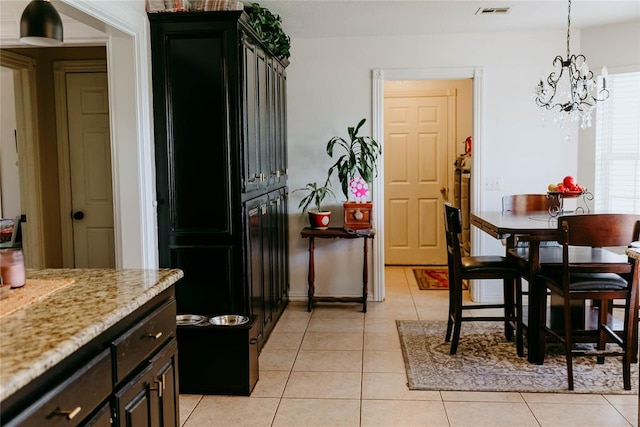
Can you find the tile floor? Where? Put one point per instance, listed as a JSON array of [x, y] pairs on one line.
[[337, 366]]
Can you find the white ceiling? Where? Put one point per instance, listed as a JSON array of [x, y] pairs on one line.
[[343, 18]]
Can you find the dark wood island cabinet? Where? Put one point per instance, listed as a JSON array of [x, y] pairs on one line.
[[102, 351], [221, 165]]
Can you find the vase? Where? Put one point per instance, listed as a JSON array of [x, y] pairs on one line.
[[319, 219]]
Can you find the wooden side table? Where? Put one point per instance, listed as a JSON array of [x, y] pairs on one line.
[[337, 233]]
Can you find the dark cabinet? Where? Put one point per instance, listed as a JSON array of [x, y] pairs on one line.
[[132, 381], [150, 398], [221, 164]]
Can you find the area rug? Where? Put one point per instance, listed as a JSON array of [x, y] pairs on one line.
[[432, 278], [485, 361]]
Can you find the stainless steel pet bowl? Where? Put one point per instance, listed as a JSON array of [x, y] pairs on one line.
[[229, 320], [189, 319]]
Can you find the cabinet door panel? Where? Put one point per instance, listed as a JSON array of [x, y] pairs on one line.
[[251, 157], [135, 405], [254, 216], [263, 117], [197, 138]]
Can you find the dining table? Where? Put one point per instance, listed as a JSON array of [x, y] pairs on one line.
[[535, 228]]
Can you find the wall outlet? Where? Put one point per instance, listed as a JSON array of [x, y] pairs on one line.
[[494, 183]]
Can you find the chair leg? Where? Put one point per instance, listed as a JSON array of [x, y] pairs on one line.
[[451, 313], [519, 331], [567, 341], [603, 311], [507, 289], [457, 316]]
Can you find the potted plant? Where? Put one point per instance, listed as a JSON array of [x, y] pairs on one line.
[[356, 168], [319, 218]]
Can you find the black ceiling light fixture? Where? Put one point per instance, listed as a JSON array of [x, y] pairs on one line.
[[571, 90], [40, 24]]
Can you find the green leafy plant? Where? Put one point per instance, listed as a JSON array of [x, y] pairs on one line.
[[269, 28], [316, 194], [360, 156]]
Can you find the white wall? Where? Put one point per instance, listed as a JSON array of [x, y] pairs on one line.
[[329, 88], [618, 48]]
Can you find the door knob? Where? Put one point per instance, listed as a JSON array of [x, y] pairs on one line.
[[78, 215], [443, 190]]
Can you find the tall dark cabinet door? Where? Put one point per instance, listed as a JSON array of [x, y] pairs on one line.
[[251, 158]]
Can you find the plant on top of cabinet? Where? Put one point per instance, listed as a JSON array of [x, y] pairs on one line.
[[318, 218], [269, 28]]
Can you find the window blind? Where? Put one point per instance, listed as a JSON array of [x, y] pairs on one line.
[[617, 183]]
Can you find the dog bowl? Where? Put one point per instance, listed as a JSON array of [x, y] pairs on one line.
[[229, 320], [189, 319]]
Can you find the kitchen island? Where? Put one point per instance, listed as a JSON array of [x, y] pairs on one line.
[[92, 351]]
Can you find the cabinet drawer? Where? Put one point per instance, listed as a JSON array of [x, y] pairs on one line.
[[74, 399], [143, 339]]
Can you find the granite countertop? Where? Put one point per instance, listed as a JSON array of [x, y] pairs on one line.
[[38, 336], [634, 252]]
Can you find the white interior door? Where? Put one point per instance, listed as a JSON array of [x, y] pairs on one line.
[[416, 139], [90, 169]]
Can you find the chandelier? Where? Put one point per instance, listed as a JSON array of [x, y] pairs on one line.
[[571, 91]]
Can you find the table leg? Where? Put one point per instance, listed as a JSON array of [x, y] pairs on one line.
[[537, 307], [365, 275], [312, 273]]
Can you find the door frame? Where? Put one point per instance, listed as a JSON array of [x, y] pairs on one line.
[[24, 71], [60, 71], [379, 76]]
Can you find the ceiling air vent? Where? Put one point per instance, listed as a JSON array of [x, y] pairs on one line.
[[493, 10]]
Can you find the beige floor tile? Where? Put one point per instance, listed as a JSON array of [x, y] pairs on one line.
[[284, 341], [332, 341], [380, 326], [277, 359], [490, 414], [331, 324], [223, 411], [383, 361], [373, 341], [576, 398], [474, 396], [395, 310], [339, 311], [292, 324], [622, 399], [630, 412], [187, 403], [318, 413], [324, 385], [392, 386], [549, 414], [270, 383], [329, 361], [405, 413]]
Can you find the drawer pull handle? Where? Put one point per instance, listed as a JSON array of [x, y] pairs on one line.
[[68, 414], [154, 336]]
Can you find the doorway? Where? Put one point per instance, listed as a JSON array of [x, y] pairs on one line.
[[379, 78], [423, 122], [84, 164]]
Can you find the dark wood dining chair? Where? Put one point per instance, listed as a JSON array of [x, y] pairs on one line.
[[523, 203], [480, 267], [598, 282]]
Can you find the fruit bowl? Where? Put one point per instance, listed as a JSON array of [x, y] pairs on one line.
[[566, 194]]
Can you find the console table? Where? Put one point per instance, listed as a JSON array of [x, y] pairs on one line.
[[337, 233]]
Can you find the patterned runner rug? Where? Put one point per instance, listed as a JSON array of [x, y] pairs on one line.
[[485, 361], [433, 278]]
